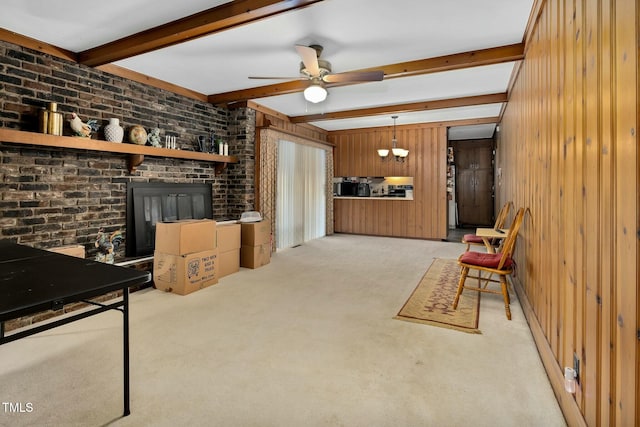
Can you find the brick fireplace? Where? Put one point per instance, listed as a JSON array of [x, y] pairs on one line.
[[57, 196]]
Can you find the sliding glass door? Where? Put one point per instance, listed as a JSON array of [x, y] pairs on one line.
[[301, 194]]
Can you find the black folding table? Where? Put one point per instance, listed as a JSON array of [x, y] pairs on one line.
[[34, 280]]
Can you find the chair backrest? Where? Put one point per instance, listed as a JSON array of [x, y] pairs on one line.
[[509, 243], [502, 215]]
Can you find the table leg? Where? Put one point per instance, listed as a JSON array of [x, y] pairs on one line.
[[488, 245], [125, 339]]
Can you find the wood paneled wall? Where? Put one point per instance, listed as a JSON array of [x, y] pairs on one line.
[[426, 216], [568, 149]]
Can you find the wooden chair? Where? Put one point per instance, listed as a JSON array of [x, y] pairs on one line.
[[472, 239], [499, 263]]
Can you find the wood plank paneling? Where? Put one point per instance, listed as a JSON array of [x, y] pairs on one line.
[[606, 369], [426, 216], [592, 237], [568, 150], [579, 191], [551, 296], [626, 210]]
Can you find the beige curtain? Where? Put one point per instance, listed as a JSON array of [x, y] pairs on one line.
[[268, 171]]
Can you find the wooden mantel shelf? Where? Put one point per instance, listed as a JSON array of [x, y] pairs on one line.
[[135, 152]]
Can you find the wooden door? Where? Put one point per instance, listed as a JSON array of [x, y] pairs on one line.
[[474, 182], [465, 196]]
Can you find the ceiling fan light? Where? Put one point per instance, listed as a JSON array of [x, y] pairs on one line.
[[315, 93], [383, 152]]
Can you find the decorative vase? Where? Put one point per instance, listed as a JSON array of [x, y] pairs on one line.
[[138, 135], [51, 121], [113, 132]]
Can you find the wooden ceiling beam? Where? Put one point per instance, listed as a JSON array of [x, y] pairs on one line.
[[223, 17], [404, 108], [151, 81], [457, 61], [424, 125], [475, 58], [258, 92], [467, 122], [28, 42]]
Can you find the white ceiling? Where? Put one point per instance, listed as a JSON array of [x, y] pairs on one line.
[[356, 34]]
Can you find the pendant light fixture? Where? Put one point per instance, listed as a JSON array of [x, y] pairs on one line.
[[398, 153]]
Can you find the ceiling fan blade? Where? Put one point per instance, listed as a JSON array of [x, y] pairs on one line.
[[277, 78], [365, 76], [309, 59]]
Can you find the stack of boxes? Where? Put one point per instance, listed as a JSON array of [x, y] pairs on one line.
[[186, 256], [193, 254], [228, 236], [256, 244]]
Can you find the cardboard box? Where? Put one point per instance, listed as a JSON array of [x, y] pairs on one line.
[[256, 233], [184, 274], [228, 237], [72, 250], [228, 262], [255, 256], [186, 236]]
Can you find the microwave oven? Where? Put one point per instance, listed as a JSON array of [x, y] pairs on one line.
[[346, 188]]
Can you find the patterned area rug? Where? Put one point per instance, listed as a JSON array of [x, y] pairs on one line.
[[431, 301]]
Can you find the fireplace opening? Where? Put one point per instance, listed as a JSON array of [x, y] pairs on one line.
[[151, 202]]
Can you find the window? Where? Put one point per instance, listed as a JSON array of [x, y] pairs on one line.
[[300, 194]]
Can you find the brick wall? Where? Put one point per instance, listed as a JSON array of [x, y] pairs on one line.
[[241, 185], [52, 197]]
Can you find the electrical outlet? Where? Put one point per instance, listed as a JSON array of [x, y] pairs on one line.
[[576, 367]]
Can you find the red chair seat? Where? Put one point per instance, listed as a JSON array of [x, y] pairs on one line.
[[482, 259], [472, 238]]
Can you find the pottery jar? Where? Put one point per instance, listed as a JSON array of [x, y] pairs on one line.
[[113, 132], [138, 135]]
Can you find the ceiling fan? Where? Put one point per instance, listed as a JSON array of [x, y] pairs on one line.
[[318, 72]]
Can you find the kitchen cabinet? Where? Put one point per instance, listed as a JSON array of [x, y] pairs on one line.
[[379, 216], [424, 217]]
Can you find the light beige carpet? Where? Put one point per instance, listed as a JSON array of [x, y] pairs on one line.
[[430, 303], [307, 340]]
